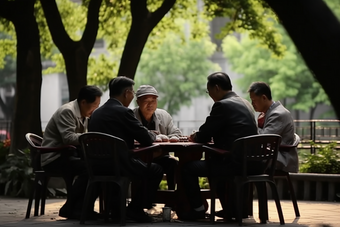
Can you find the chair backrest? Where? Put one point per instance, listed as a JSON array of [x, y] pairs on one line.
[[257, 154], [297, 140], [35, 142], [104, 154]]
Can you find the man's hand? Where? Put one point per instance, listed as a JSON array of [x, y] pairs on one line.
[[154, 131], [192, 137]]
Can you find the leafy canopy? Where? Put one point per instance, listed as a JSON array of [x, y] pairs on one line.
[[177, 69], [253, 16], [288, 76]]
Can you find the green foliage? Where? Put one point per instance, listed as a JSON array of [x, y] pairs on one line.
[[163, 185], [15, 171], [334, 6], [203, 182], [7, 44], [326, 160], [288, 76], [101, 70], [252, 16], [177, 69], [115, 21]]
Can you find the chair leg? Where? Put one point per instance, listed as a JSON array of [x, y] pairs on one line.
[[212, 200], [106, 198], [43, 195], [239, 202], [89, 190], [38, 189], [250, 199], [123, 194], [277, 202], [30, 200], [101, 202], [292, 194], [263, 201]]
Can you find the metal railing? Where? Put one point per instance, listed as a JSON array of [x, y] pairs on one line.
[[316, 130]]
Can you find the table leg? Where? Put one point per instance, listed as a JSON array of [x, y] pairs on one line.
[[182, 204]]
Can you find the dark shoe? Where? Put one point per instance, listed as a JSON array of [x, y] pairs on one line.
[[193, 215], [114, 215], [221, 214], [94, 215], [63, 212], [76, 215], [138, 215]]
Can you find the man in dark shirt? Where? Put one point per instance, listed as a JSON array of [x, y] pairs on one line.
[[231, 117], [115, 118]]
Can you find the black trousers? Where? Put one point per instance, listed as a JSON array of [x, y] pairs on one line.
[[194, 169], [144, 189], [71, 167]]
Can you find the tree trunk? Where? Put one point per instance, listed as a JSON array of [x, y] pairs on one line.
[[143, 22], [76, 59], [75, 53], [316, 33], [26, 117]]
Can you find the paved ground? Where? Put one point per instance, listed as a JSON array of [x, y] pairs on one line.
[[313, 214]]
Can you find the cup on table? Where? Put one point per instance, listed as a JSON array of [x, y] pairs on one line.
[[166, 214]]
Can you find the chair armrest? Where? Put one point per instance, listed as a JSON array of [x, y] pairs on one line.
[[148, 148], [65, 148], [215, 150]]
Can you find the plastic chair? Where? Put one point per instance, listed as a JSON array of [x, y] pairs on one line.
[[284, 174], [42, 177], [105, 157], [257, 150]]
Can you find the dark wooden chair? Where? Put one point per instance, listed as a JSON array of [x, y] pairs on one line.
[[285, 175], [106, 157], [260, 151], [42, 177]]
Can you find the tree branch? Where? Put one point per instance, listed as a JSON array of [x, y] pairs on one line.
[[140, 12], [59, 35], [91, 29], [161, 11]]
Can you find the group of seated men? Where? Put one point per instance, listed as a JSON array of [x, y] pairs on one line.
[[231, 117]]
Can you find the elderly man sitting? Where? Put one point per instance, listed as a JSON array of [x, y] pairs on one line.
[[159, 121]]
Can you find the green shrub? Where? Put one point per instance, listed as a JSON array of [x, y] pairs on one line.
[[326, 160], [203, 182], [163, 185], [17, 174]]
